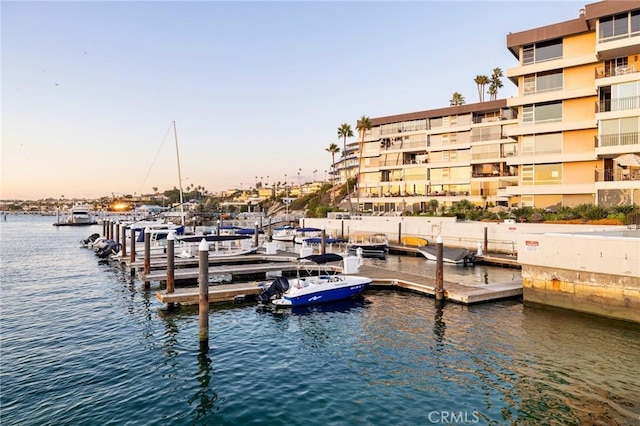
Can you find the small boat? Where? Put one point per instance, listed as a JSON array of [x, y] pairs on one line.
[[414, 241], [449, 254], [372, 244], [304, 233], [313, 289], [284, 233], [79, 215]]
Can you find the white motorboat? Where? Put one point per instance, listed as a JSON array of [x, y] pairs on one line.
[[372, 244], [284, 233], [79, 215], [449, 254], [313, 289]]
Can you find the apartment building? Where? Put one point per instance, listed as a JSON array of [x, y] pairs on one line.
[[570, 136], [578, 105], [447, 154]]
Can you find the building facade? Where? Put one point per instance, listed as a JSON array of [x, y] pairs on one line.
[[570, 136]]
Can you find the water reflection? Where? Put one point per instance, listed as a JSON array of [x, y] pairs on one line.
[[205, 397]]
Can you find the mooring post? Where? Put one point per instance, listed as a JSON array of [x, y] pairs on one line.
[[203, 299], [218, 227], [104, 227], [256, 234], [399, 232], [147, 254], [123, 231], [486, 239], [439, 290], [171, 276], [323, 240], [117, 235], [132, 255], [111, 229]]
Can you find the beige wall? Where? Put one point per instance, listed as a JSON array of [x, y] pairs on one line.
[[579, 140], [579, 172], [578, 45], [579, 77], [580, 109]]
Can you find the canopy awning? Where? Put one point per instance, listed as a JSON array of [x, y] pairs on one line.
[[628, 160]]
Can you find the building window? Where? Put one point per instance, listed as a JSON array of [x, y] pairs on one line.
[[543, 144], [542, 82], [542, 51], [619, 26], [540, 113], [542, 174]]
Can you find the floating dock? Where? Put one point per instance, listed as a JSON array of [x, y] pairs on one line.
[[382, 278]]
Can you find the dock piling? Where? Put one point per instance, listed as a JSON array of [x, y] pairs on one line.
[[439, 290], [123, 231], [147, 254], [132, 255], [486, 239], [323, 241], [171, 276], [203, 297]]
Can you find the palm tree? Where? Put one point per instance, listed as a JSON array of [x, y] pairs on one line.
[[495, 83], [456, 99], [333, 149], [481, 81], [363, 125], [344, 132]]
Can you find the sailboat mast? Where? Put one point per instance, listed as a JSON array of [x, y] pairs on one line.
[[175, 134]]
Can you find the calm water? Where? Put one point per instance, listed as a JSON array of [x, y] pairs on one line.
[[84, 344]]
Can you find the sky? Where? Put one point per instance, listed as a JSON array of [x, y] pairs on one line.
[[257, 90]]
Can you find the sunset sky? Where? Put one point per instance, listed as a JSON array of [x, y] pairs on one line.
[[257, 89]]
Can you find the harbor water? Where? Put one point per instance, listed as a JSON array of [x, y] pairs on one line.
[[83, 343]]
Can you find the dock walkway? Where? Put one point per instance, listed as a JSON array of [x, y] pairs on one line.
[[382, 278]]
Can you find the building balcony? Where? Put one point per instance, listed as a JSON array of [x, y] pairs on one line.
[[605, 72], [617, 139], [618, 174], [620, 104]]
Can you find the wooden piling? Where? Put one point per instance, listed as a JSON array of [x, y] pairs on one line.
[[117, 233], [123, 232], [147, 254], [486, 239], [399, 232], [111, 229], [203, 297], [132, 255], [439, 288], [323, 241], [171, 275], [255, 239]]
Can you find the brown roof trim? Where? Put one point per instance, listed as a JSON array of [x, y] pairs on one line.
[[441, 112], [549, 32], [609, 7]]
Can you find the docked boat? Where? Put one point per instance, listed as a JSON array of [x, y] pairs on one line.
[[304, 233], [79, 215], [449, 254], [313, 289], [284, 233], [371, 244]]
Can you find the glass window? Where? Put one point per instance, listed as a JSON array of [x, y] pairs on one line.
[[550, 143], [548, 112], [635, 21], [606, 27], [620, 24], [548, 81], [548, 50]]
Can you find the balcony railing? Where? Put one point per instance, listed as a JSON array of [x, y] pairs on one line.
[[620, 104], [617, 139], [617, 175], [603, 72]]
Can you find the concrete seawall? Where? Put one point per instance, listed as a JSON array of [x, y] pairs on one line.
[[588, 268], [597, 273]]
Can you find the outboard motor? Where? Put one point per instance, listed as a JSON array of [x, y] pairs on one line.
[[110, 247], [90, 239], [277, 288]]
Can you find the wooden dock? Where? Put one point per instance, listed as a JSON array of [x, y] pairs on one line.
[[382, 278]]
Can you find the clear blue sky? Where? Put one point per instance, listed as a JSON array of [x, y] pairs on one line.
[[90, 89]]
